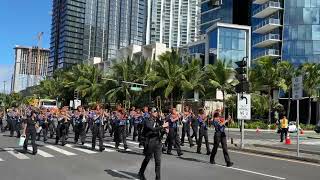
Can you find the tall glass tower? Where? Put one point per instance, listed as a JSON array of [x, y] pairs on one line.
[[85, 29]]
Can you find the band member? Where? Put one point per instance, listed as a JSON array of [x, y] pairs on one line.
[[173, 136], [186, 120], [29, 131], [203, 131], [220, 137], [79, 125], [120, 134], [44, 124], [98, 127], [153, 130], [61, 130]]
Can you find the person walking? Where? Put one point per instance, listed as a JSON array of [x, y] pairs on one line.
[[186, 121], [98, 128], [153, 146], [203, 131], [173, 136], [29, 131], [284, 128], [80, 125], [120, 134], [219, 125]]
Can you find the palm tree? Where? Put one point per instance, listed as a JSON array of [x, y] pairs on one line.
[[221, 77], [287, 72], [194, 77], [311, 82], [265, 77], [168, 74]]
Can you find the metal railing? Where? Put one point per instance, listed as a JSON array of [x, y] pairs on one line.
[[266, 37], [268, 52], [266, 5], [267, 21]]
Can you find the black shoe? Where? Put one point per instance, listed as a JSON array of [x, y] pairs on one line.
[[24, 151], [75, 142], [34, 152], [198, 152], [208, 153], [116, 147], [180, 154], [182, 144], [45, 140], [191, 145], [141, 176], [229, 164], [169, 153], [212, 162], [63, 144], [82, 143], [102, 149]]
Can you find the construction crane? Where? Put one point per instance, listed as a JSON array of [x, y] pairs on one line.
[[39, 43], [30, 63]]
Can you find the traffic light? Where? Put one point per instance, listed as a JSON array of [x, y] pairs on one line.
[[241, 75]]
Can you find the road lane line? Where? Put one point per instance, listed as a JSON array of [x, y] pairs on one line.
[[275, 158], [80, 149], [97, 148], [41, 153], [124, 174], [16, 153], [60, 150], [252, 172]]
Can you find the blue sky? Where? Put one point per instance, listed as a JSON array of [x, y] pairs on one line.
[[21, 20]]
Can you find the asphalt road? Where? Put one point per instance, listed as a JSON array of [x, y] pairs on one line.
[[70, 162]]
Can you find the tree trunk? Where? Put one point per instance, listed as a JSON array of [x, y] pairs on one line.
[[270, 106], [289, 105], [309, 115]]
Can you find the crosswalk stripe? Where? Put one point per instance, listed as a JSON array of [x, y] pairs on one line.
[[1, 159], [16, 153], [41, 153], [80, 149], [132, 142], [113, 146], [60, 150], [97, 148]]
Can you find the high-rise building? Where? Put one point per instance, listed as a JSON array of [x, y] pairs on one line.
[[224, 11], [172, 22], [31, 64], [85, 29]]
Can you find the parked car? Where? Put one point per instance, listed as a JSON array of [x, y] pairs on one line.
[[292, 127]]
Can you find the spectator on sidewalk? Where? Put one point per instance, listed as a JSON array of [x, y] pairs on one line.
[[284, 127]]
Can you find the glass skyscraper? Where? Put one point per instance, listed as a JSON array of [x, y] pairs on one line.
[[85, 29], [286, 29]]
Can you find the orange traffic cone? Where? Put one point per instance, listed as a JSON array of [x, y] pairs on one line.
[[257, 131], [301, 131], [288, 140]]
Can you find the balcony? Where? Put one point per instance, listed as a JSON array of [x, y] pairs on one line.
[[267, 9], [260, 1], [274, 53], [266, 40], [267, 26]]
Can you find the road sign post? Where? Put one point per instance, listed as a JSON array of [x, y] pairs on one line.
[[243, 112], [297, 94]]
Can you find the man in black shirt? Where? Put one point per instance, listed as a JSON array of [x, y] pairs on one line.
[[152, 132]]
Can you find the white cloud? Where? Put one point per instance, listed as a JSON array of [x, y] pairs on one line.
[[6, 71]]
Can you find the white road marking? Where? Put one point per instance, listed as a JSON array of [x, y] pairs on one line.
[[80, 149], [123, 174], [252, 172], [16, 153], [41, 153], [132, 142], [60, 150], [275, 158], [97, 148], [1, 159], [113, 146]]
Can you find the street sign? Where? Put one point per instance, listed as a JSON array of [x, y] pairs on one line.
[[297, 88], [244, 107], [135, 88]]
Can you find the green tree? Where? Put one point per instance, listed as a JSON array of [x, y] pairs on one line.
[[221, 76], [311, 82], [287, 72], [264, 76]]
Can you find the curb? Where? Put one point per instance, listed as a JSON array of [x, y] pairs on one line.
[[312, 137], [288, 149], [275, 154]]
